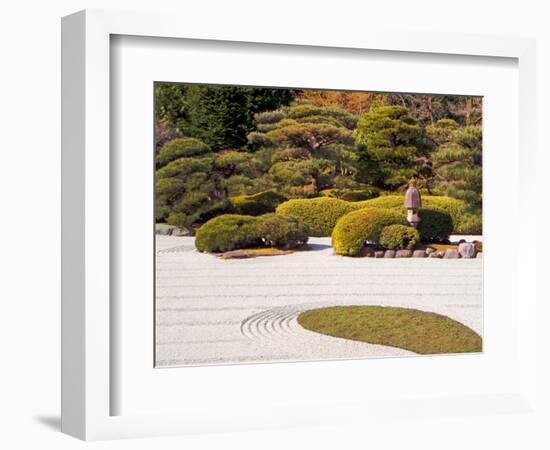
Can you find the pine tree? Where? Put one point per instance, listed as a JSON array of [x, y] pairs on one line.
[[390, 143]]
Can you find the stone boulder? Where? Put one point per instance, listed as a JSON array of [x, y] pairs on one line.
[[403, 253], [451, 254], [180, 232], [164, 229], [467, 250], [379, 254], [419, 254], [389, 254]]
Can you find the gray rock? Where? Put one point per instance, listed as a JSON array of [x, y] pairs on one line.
[[419, 254], [451, 254], [237, 254], [467, 250], [379, 254], [403, 253], [180, 232], [389, 254], [163, 229]]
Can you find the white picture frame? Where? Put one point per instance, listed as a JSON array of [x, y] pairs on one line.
[[87, 385]]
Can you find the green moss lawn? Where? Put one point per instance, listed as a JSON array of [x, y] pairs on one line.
[[409, 329]]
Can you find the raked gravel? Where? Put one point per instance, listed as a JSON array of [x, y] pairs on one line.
[[215, 311]]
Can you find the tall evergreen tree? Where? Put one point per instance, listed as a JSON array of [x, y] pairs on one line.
[[458, 163], [390, 143]]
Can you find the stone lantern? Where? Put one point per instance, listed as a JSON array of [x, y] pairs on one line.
[[413, 202]]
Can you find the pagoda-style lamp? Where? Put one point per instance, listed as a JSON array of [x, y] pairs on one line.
[[413, 202]]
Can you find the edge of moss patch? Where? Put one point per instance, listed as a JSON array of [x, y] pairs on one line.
[[425, 333]]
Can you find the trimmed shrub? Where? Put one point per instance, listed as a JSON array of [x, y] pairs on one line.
[[318, 214], [278, 230], [257, 204], [227, 232], [180, 148], [399, 237], [352, 195], [436, 224], [355, 228], [453, 206], [471, 223]]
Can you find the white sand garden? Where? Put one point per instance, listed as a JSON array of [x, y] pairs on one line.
[[215, 311]]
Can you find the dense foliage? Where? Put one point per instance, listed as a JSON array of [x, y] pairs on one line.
[[354, 229], [257, 204], [227, 232], [278, 230], [226, 150], [436, 224], [235, 231], [398, 237], [318, 214]]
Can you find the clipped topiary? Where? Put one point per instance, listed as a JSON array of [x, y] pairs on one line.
[[456, 208], [257, 204], [471, 223], [355, 228], [436, 225], [181, 148], [399, 237], [318, 214], [228, 232], [278, 230]]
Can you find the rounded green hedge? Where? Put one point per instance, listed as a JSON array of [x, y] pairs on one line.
[[228, 232], [435, 225], [278, 230], [399, 237], [318, 214], [180, 148], [353, 229], [257, 204], [456, 208], [352, 195]]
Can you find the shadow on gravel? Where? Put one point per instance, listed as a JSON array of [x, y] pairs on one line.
[[316, 247]]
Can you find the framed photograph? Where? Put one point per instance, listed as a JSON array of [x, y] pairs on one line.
[[279, 230]]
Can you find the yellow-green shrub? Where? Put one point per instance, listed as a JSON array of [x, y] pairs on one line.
[[318, 214], [399, 237], [278, 230], [227, 232], [355, 228]]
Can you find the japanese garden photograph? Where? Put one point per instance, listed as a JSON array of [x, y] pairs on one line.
[[298, 224]]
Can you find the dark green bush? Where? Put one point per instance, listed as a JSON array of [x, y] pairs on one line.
[[436, 224], [355, 228], [399, 237], [318, 214], [456, 208], [257, 204], [180, 148], [278, 230], [227, 232]]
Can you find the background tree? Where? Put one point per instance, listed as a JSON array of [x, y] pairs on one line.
[[189, 191], [312, 147], [221, 116], [458, 164], [390, 143]]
